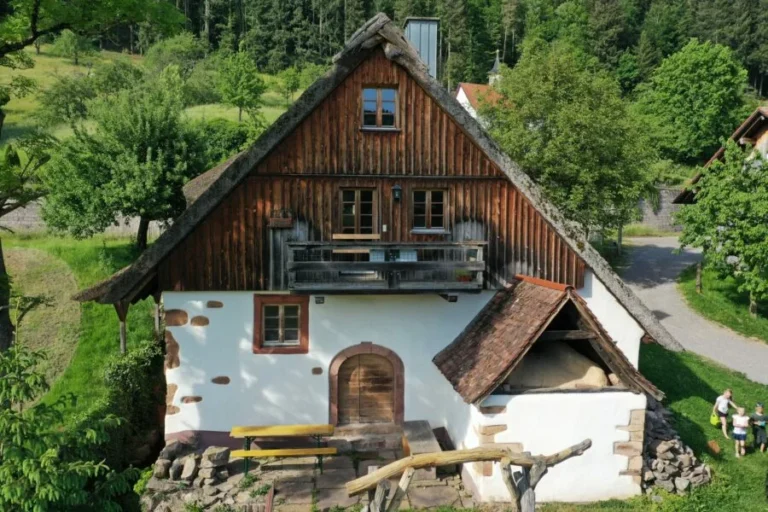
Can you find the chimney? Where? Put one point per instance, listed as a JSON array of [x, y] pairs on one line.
[[422, 33]]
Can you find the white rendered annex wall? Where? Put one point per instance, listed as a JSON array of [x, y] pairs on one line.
[[461, 97], [619, 324], [281, 389], [548, 423]]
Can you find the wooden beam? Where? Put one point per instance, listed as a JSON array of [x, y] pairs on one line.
[[452, 457], [567, 335], [402, 489], [122, 313]]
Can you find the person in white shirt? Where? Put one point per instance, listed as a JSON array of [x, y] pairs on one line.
[[740, 425], [722, 404]]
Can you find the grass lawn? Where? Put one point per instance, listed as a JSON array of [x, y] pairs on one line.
[[20, 111], [45, 317], [721, 302], [98, 338], [640, 230], [691, 384]]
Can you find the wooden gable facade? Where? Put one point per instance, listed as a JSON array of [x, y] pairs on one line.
[[233, 247]]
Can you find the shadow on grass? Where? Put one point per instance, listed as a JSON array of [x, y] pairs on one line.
[[672, 373]]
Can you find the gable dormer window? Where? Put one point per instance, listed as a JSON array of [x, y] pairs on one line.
[[379, 108]]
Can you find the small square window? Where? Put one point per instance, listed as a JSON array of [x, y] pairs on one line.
[[379, 108], [429, 208], [281, 325]]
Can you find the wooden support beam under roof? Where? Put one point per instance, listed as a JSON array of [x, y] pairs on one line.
[[567, 335]]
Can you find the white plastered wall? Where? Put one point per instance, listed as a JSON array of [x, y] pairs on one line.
[[463, 100], [619, 324], [548, 423], [281, 389]]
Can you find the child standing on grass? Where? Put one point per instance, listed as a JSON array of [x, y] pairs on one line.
[[740, 425], [722, 404], [758, 419]]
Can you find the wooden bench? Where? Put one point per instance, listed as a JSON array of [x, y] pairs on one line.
[[317, 432]]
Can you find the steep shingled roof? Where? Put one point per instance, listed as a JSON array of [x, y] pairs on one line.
[[134, 282]]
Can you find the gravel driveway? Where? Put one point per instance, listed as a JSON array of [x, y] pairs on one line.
[[652, 275]]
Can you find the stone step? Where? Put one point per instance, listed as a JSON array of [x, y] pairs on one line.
[[367, 437], [419, 438]]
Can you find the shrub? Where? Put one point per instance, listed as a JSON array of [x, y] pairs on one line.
[[183, 50], [222, 139], [134, 393], [43, 465], [141, 485]]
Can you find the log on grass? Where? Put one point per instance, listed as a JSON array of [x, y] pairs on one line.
[[451, 457]]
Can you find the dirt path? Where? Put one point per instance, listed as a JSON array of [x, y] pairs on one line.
[[652, 275], [52, 325]]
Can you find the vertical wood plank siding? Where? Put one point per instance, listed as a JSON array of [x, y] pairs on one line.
[[229, 250]]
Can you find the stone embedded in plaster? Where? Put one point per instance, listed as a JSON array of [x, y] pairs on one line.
[[317, 370], [484, 468], [493, 409], [635, 464], [170, 409], [628, 448], [489, 430], [176, 317], [191, 399], [214, 304], [199, 321], [221, 379], [171, 351]]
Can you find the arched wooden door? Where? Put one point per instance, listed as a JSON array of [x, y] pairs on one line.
[[366, 390]]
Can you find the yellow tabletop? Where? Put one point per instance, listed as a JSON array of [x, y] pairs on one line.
[[282, 431]]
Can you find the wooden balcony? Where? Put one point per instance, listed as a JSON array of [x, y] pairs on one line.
[[385, 267]]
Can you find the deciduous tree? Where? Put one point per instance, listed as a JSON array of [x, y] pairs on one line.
[[240, 84], [43, 465], [729, 220], [133, 163], [72, 46], [694, 99], [20, 184], [566, 124]]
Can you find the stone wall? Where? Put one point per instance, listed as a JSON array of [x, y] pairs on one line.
[[663, 218], [29, 220]]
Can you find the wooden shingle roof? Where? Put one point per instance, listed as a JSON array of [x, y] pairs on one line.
[[493, 344]]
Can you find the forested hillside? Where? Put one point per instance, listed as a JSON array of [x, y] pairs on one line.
[[629, 37]]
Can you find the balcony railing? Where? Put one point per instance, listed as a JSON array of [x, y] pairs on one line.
[[351, 267]]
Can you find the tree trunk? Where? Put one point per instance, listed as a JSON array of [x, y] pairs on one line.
[[752, 305], [239, 114], [141, 234], [2, 119], [207, 23], [6, 327], [698, 278], [619, 239]]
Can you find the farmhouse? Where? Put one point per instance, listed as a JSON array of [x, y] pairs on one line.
[[374, 259], [753, 132]]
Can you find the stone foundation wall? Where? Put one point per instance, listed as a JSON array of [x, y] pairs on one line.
[[662, 219], [29, 220]]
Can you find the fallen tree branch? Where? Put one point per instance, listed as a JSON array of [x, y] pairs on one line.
[[448, 458]]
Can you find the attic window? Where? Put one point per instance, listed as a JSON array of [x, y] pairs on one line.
[[379, 108]]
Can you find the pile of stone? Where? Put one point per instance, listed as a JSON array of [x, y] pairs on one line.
[[668, 463], [182, 474]]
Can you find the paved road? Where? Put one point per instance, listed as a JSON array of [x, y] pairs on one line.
[[652, 275]]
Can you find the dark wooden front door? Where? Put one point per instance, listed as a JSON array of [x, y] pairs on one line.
[[366, 390]]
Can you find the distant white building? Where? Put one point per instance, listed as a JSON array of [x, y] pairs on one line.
[[470, 95]]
